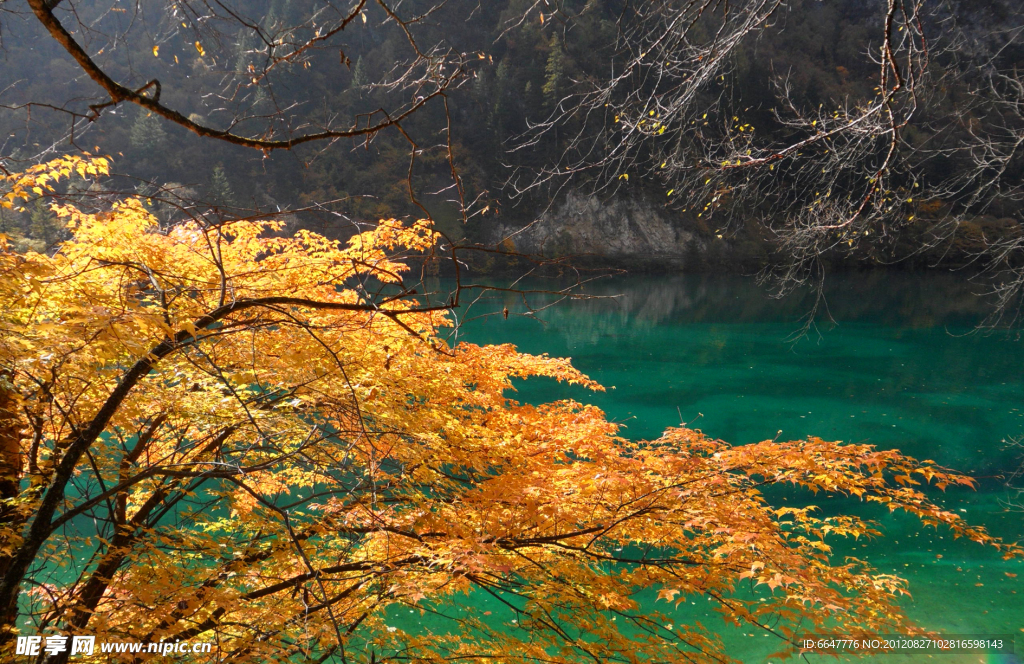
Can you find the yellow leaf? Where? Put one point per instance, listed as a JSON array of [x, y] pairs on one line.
[[441, 478]]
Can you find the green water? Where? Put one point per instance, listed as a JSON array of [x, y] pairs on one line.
[[893, 362]]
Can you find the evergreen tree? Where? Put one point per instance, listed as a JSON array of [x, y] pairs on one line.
[[244, 57], [532, 99], [219, 189], [554, 75], [359, 77], [43, 224], [146, 134], [503, 92], [8, 225]]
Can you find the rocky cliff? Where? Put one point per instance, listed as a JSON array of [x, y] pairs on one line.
[[639, 235], [631, 232]]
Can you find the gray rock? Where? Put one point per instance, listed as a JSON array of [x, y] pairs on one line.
[[621, 229]]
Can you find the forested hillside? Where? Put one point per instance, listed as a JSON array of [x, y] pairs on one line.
[[526, 64]]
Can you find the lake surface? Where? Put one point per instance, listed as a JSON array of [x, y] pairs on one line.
[[892, 360]]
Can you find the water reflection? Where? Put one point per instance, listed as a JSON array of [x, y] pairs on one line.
[[908, 300], [894, 361], [899, 368]]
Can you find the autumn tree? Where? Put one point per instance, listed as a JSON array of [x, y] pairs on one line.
[[214, 432]]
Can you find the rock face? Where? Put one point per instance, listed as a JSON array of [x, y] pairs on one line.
[[639, 235], [622, 230]]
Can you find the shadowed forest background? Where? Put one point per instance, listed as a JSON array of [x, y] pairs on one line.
[[524, 64]]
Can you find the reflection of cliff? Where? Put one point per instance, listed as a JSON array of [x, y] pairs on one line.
[[638, 309], [906, 299]]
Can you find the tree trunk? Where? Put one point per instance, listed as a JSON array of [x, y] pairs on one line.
[[10, 476]]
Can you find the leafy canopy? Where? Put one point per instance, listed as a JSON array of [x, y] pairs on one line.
[[225, 434]]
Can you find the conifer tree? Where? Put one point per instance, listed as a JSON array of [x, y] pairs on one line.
[[220, 190], [554, 74]]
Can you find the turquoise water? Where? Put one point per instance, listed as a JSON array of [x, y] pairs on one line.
[[892, 360]]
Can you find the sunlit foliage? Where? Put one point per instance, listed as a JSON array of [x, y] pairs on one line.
[[222, 434]]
